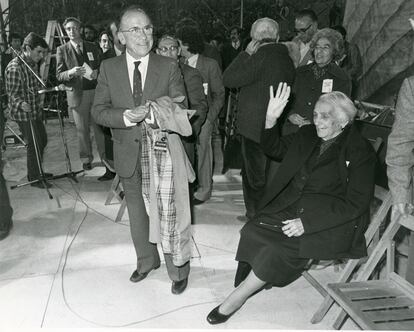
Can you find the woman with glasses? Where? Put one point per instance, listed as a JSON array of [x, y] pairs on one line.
[[319, 77]]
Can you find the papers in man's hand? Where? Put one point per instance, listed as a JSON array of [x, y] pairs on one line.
[[88, 71]]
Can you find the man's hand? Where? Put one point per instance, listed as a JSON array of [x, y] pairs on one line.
[[252, 47], [402, 208], [293, 227], [276, 103], [26, 107], [77, 71], [137, 114]]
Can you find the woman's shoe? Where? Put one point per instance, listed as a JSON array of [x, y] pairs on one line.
[[215, 317]]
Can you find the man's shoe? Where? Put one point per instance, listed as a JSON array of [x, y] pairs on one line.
[[215, 317], [40, 185], [48, 175], [87, 166], [197, 201], [107, 176], [178, 287], [136, 277]]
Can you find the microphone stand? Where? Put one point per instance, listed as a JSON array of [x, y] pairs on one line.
[[69, 172]]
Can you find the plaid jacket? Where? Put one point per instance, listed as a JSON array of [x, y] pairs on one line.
[[22, 86]]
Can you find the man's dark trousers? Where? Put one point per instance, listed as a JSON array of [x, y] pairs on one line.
[[254, 167], [33, 172]]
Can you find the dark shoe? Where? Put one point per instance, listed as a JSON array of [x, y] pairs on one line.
[[40, 185], [197, 201], [136, 277], [4, 234], [178, 287], [87, 166], [242, 218], [215, 317], [107, 176], [48, 175]]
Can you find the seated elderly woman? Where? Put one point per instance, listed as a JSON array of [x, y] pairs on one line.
[[314, 79], [315, 205]]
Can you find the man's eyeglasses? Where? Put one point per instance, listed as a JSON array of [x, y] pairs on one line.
[[303, 30], [147, 30], [165, 49]]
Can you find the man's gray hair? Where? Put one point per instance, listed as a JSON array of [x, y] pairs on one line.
[[265, 28]]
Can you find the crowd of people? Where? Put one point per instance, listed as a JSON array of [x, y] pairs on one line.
[[153, 103]]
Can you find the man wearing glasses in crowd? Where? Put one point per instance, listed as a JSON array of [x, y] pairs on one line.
[[306, 25], [125, 84], [168, 46]]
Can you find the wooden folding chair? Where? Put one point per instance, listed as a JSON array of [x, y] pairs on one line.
[[351, 264], [386, 304], [116, 191]]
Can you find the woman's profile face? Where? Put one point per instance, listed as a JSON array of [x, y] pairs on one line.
[[323, 52], [327, 126]]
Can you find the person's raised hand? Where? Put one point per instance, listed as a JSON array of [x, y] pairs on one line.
[[252, 47], [277, 103]]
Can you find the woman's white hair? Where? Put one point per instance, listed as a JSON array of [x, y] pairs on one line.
[[265, 28], [344, 109]]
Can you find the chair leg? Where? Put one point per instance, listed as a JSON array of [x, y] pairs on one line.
[[121, 211], [323, 310]]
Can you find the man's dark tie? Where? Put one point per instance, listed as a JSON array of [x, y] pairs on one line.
[[137, 91], [78, 50]]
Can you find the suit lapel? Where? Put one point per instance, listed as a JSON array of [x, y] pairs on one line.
[[151, 79], [124, 83]]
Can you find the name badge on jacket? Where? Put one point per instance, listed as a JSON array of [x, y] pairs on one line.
[[327, 85], [90, 56]]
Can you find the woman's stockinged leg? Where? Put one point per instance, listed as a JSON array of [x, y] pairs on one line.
[[237, 298]]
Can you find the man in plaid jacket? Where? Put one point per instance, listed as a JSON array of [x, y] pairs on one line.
[[24, 101]]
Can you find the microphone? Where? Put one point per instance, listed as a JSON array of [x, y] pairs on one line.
[[60, 87]]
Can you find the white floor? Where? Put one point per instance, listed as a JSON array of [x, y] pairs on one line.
[[66, 263]]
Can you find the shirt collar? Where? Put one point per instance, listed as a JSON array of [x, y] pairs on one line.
[[75, 44], [192, 60], [130, 60]]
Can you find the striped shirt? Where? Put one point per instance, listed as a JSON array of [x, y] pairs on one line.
[[22, 86]]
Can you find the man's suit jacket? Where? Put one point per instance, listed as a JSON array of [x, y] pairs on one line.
[[66, 59], [400, 155], [254, 74], [113, 96], [211, 73], [334, 215], [193, 82]]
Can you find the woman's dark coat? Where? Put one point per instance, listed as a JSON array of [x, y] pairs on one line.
[[334, 224]]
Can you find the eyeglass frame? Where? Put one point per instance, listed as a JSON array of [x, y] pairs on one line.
[[171, 48], [303, 30], [135, 30]]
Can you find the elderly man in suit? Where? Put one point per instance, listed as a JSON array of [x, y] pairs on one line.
[[264, 62], [192, 45], [400, 160], [72, 59], [125, 83]]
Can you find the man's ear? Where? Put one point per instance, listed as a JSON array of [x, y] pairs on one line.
[[121, 38]]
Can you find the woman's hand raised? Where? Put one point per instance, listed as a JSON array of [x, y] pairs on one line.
[[277, 103]]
